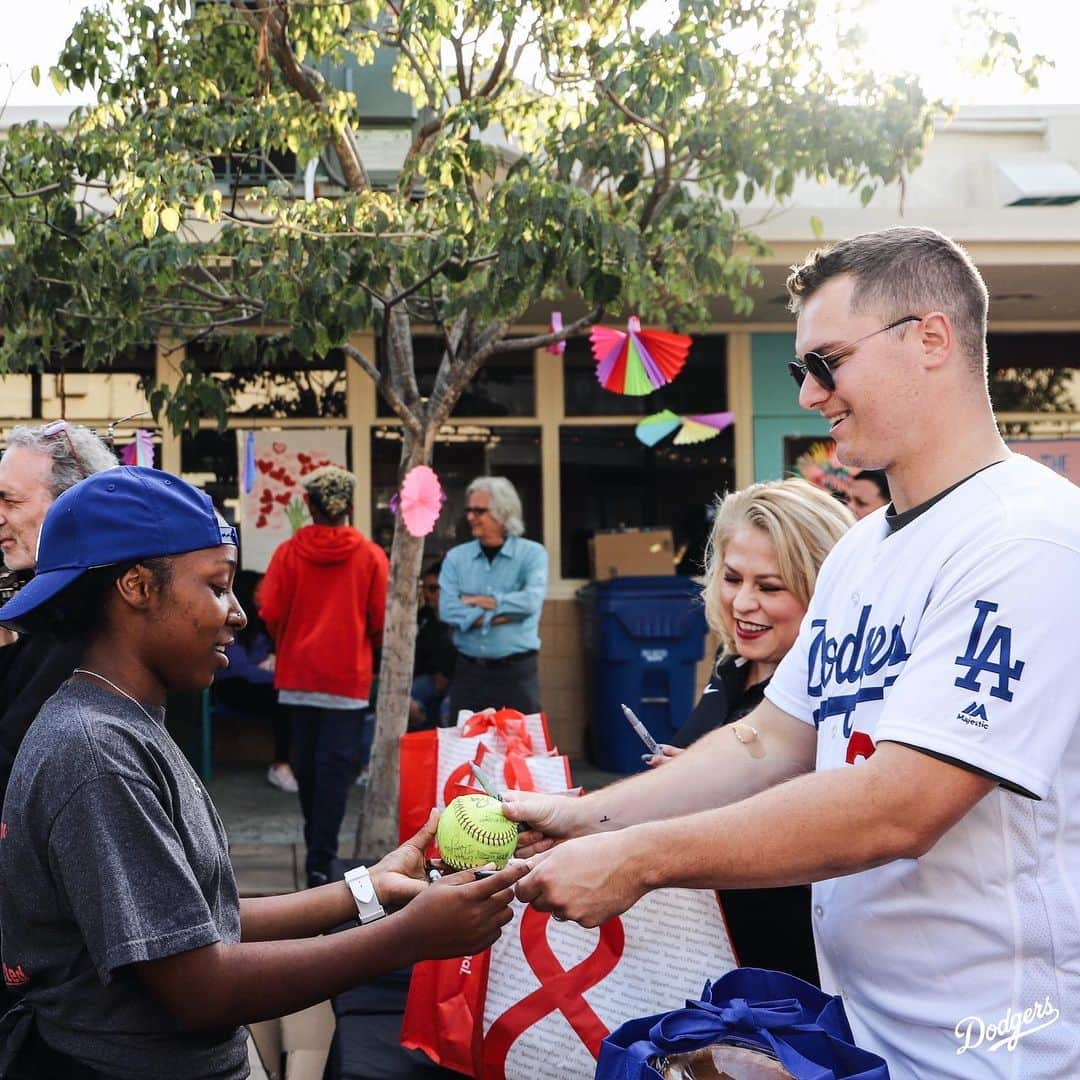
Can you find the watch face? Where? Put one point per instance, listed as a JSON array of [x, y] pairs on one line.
[[361, 886]]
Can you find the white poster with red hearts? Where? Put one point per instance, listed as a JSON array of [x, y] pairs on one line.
[[273, 465]]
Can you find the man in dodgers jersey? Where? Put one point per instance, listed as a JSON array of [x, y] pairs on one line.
[[917, 754]]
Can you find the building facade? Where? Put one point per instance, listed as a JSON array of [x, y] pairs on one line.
[[1003, 181]]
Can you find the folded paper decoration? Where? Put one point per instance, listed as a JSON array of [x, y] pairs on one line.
[[654, 428], [638, 361], [700, 428], [691, 429], [557, 348], [421, 500]]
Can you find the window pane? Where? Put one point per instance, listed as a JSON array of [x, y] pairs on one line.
[[610, 480], [462, 453], [16, 396], [208, 460], [1035, 372], [504, 386], [700, 387], [276, 383], [94, 395]]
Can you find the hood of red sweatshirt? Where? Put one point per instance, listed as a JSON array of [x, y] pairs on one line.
[[325, 544]]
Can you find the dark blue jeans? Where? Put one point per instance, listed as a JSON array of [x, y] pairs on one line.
[[327, 745]]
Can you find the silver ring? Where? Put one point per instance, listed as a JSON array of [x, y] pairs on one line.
[[558, 918]]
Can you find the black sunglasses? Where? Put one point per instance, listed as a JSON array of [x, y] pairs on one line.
[[822, 367]]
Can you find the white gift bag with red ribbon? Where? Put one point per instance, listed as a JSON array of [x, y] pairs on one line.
[[537, 1005]]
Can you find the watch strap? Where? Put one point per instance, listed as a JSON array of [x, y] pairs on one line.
[[362, 888]]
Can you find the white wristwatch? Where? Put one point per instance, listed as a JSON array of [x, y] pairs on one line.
[[360, 885]]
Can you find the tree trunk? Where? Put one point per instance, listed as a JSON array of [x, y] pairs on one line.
[[376, 832]]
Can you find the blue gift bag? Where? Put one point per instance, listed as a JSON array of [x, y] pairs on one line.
[[805, 1029]]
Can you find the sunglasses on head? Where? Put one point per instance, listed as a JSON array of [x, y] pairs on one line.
[[61, 429], [822, 367]]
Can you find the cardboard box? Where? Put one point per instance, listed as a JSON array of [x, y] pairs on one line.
[[303, 1038], [630, 552]]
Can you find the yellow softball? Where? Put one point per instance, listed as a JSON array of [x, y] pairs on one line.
[[473, 832]]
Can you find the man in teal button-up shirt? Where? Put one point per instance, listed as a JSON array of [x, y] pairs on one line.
[[491, 592]]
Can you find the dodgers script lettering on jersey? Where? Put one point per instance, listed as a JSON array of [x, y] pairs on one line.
[[845, 661], [869, 658]]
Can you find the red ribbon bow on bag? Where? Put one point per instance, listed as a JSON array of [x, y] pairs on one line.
[[509, 727]]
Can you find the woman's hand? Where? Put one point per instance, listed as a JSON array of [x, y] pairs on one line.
[[667, 752]]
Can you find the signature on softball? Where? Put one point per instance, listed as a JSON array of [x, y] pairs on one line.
[[973, 1031]]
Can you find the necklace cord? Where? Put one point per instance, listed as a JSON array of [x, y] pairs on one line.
[[119, 690]]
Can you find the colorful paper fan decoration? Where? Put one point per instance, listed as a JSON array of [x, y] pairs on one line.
[[820, 466], [654, 428], [691, 429], [556, 348], [637, 362], [701, 428], [421, 500]]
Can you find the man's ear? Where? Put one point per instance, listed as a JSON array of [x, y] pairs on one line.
[[936, 338], [135, 586]]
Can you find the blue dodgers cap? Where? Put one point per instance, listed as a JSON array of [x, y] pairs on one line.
[[116, 516]]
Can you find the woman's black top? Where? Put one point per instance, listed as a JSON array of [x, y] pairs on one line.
[[769, 928]]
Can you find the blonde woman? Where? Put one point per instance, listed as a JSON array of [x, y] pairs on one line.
[[767, 544]]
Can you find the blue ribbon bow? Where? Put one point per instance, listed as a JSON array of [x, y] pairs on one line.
[[778, 1014]]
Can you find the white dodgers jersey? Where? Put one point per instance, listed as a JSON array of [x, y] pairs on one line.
[[959, 635]]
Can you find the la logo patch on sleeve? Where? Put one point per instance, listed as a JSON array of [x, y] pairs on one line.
[[989, 655]]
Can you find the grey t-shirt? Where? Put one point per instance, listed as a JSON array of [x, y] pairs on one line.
[[111, 852]]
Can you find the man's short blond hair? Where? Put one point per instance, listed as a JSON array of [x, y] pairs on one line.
[[904, 271]]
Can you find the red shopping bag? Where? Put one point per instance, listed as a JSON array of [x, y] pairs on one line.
[[444, 1011]]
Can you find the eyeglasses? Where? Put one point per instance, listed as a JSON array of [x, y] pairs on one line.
[[62, 427], [479, 511], [822, 367]]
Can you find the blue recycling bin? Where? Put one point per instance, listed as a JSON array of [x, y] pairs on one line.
[[643, 639]]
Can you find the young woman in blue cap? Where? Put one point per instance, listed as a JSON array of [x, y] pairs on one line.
[[123, 935]]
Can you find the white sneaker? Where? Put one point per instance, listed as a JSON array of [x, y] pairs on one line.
[[281, 777]]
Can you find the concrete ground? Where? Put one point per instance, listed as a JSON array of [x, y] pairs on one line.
[[265, 827]]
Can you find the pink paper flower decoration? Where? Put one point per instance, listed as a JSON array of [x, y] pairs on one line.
[[421, 500]]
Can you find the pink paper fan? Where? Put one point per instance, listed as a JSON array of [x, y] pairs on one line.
[[421, 500]]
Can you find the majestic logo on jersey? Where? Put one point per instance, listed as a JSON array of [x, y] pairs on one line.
[[989, 655], [867, 650], [975, 715]]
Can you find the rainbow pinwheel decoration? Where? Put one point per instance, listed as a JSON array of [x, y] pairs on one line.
[[691, 429], [637, 362]]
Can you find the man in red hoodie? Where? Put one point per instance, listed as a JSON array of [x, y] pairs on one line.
[[324, 602]]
